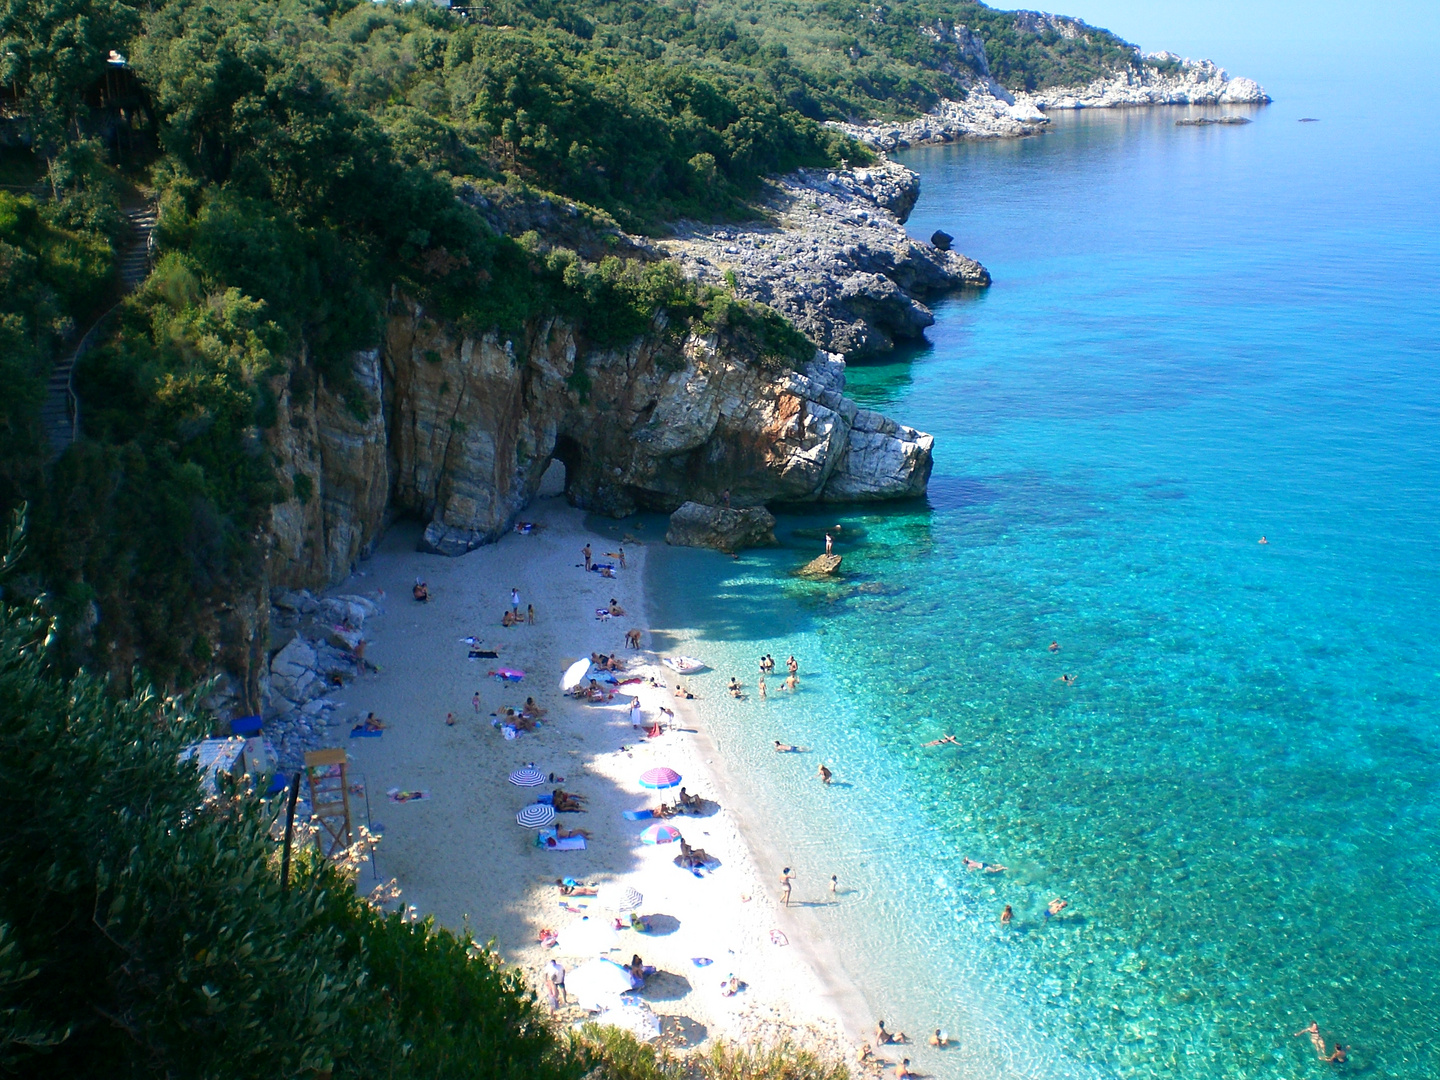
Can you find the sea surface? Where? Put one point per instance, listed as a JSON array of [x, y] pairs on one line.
[[1196, 338]]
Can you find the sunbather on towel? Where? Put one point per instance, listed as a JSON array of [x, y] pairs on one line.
[[576, 890], [567, 802]]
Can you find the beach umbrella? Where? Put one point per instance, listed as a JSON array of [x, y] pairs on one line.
[[507, 674], [529, 776], [588, 937], [596, 984], [575, 675], [620, 898], [630, 1015], [660, 834], [536, 816], [659, 778]]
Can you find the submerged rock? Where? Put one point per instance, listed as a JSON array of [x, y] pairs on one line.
[[721, 527]]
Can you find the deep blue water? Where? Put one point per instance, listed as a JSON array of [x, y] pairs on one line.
[[1196, 337]]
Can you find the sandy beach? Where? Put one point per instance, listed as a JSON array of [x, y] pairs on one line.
[[459, 855]]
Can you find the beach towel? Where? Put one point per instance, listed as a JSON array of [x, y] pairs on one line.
[[570, 843], [603, 613], [627, 682], [360, 733], [510, 731], [638, 815], [602, 567], [701, 961], [484, 654], [778, 938], [396, 795]]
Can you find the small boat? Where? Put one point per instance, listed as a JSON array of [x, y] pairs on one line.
[[685, 665]]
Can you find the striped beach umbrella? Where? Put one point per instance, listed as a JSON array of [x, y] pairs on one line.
[[619, 898], [659, 778], [529, 776], [536, 816], [660, 834]]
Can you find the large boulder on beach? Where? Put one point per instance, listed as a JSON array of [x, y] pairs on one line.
[[724, 528]]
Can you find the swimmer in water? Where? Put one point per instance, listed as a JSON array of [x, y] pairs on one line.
[[1315, 1040], [971, 864], [1006, 915], [1263, 540], [1056, 906], [1054, 646], [942, 742], [786, 748]]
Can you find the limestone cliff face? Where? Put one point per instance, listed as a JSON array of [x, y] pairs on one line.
[[474, 422], [334, 454]]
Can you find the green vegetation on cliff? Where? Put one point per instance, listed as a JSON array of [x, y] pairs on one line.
[[310, 156]]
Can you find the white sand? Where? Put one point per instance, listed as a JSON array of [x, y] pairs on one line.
[[461, 857]]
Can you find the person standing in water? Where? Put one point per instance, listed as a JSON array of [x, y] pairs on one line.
[[1007, 916], [825, 775]]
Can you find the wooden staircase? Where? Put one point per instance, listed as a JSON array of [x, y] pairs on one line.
[[60, 413]]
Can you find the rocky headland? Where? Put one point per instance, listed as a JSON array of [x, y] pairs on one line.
[[833, 257], [989, 111]]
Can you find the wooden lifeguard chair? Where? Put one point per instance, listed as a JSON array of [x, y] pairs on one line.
[[327, 776]]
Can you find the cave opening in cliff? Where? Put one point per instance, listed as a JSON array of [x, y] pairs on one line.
[[564, 465]]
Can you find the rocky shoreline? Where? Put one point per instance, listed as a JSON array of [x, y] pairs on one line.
[[989, 111], [833, 257]]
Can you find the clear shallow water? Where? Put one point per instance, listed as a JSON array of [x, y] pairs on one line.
[[1196, 337]]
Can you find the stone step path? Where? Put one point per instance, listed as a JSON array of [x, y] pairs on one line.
[[57, 414]]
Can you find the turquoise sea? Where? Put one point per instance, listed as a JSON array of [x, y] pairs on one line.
[[1196, 337]]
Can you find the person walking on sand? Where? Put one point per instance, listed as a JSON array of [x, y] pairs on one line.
[[834, 884], [586, 552], [476, 702], [530, 614], [621, 555], [786, 878], [514, 601], [825, 775], [555, 977]]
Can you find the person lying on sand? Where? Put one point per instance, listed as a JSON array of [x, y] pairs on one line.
[[786, 748], [664, 810], [575, 890], [884, 1038], [562, 833], [567, 802], [730, 987], [942, 741], [421, 591]]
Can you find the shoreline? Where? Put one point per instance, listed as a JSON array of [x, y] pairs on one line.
[[459, 855]]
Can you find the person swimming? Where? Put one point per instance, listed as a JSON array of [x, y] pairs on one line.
[[1007, 915], [1263, 540], [1055, 907], [786, 748], [942, 741], [1054, 646]]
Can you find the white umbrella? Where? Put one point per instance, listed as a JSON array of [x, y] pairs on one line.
[[529, 776], [588, 937], [619, 898], [597, 984], [574, 674], [630, 1015], [536, 816]]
